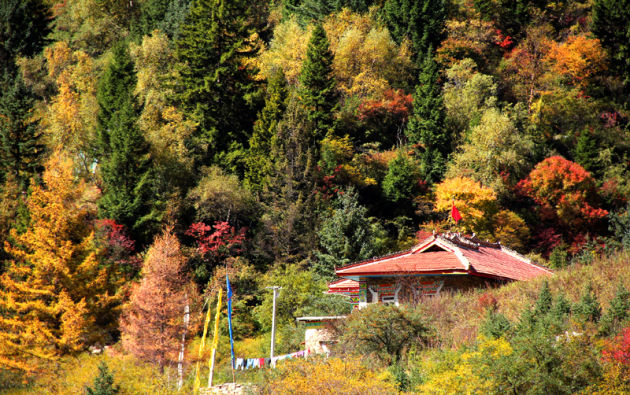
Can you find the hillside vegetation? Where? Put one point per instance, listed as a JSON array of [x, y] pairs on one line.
[[150, 148]]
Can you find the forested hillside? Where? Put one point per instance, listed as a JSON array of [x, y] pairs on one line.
[[150, 147]]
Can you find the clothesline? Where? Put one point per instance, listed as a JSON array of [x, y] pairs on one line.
[[254, 363]]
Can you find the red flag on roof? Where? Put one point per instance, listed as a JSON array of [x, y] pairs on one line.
[[455, 213]]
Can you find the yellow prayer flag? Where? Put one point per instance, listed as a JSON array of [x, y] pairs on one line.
[[201, 347]]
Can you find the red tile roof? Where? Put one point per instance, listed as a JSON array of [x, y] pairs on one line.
[[442, 254], [343, 285]]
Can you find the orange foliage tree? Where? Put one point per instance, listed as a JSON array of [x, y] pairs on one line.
[[564, 191], [578, 59], [566, 196], [153, 322], [55, 297]]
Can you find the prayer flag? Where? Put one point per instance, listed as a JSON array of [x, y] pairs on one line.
[[455, 213]]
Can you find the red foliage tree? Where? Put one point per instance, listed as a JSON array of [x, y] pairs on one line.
[[152, 323], [219, 240], [619, 350], [119, 249], [566, 195], [385, 119]]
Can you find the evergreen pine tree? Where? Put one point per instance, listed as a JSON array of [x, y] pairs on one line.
[[587, 309], [345, 235], [544, 301], [401, 179], [213, 86], [586, 152], [21, 149], [126, 167], [426, 125], [259, 162], [611, 24], [317, 85], [617, 313], [495, 325], [24, 25], [421, 21], [103, 383]]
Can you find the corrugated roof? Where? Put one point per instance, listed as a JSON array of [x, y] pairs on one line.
[[450, 254]]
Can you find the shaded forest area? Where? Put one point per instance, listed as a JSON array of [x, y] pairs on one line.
[[149, 147]]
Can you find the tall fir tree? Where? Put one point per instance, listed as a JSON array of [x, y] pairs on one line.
[[259, 164], [21, 146], [426, 125], [213, 86], [611, 24], [24, 25], [421, 21], [126, 167], [318, 89], [345, 235]]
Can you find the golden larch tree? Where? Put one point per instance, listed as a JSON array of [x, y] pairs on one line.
[[55, 297]]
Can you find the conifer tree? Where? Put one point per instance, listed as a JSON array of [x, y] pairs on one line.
[[345, 235], [586, 151], [21, 148], [24, 25], [259, 162], [588, 307], [317, 85], [103, 383], [611, 24], [213, 85], [401, 178], [126, 167], [617, 313], [426, 125], [55, 298], [544, 301], [151, 325], [421, 21]]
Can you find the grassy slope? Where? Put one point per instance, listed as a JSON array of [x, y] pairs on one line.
[[456, 316]]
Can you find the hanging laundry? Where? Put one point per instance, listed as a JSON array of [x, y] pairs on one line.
[[240, 364]]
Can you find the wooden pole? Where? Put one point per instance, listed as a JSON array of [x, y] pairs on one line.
[[180, 363], [215, 337]]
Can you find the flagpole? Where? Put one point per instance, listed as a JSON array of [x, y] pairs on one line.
[[229, 308]]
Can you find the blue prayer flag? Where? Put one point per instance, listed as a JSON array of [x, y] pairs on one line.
[[229, 308]]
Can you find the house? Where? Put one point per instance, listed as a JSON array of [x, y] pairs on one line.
[[441, 262]]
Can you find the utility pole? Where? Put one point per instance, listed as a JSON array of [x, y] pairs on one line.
[[273, 319]]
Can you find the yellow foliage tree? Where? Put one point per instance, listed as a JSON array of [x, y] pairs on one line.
[[55, 298], [164, 126], [480, 211], [71, 116], [367, 62], [476, 203], [466, 373], [330, 376]]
